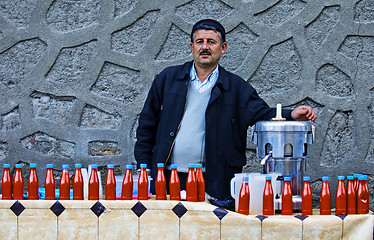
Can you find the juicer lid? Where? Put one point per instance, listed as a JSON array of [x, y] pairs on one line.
[[283, 126]]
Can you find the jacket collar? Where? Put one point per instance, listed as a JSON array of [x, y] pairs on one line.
[[222, 81]]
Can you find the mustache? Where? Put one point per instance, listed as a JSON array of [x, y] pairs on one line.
[[205, 51]]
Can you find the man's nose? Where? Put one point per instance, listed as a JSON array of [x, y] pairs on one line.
[[205, 45]]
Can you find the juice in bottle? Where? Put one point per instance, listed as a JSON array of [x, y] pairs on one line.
[[200, 183], [286, 197], [127, 184], [268, 198], [33, 184], [325, 197], [78, 183], [174, 184], [65, 183], [351, 196], [306, 198], [355, 177], [49, 184], [341, 198], [110, 184], [244, 197], [362, 196], [191, 184], [160, 182], [93, 184], [6, 184], [143, 183], [18, 183]]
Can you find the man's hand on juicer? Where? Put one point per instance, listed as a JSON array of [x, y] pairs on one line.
[[304, 113]]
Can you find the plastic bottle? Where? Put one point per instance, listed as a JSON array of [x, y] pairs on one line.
[[268, 198], [49, 184], [127, 184], [78, 183], [244, 197], [143, 183], [306, 198], [286, 197], [93, 184], [65, 183], [33, 184], [6, 184], [325, 197], [340, 198], [18, 183], [160, 182], [191, 184], [200, 183], [110, 184], [174, 184], [362, 195], [355, 177], [351, 196]]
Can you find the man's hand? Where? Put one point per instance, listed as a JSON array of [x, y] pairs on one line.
[[304, 113]]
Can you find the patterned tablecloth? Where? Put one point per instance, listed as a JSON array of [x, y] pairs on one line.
[[46, 219]]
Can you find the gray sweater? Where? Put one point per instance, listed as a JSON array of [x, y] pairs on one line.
[[189, 147]]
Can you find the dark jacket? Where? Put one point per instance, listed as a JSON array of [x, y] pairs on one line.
[[233, 106]]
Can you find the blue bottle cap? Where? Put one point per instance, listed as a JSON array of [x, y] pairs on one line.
[[32, 165], [350, 177], [341, 177], [363, 177], [6, 165], [65, 166], [19, 165], [287, 178], [129, 166], [160, 164], [306, 178], [191, 165], [245, 178], [268, 178], [325, 178], [94, 166], [143, 165], [173, 166], [110, 166], [199, 165], [356, 175], [49, 165], [78, 165]]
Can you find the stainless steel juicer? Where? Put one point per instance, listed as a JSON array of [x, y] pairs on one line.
[[283, 147]]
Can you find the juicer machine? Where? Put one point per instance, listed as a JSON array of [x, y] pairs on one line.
[[283, 147]]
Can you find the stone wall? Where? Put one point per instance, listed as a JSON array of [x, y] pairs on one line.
[[74, 74]]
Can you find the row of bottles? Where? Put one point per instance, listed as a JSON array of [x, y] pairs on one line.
[[195, 185], [350, 199]]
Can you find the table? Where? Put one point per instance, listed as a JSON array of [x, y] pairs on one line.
[[50, 219]]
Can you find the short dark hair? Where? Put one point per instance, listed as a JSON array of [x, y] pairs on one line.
[[209, 24]]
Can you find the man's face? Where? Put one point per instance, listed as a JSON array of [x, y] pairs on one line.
[[207, 48]]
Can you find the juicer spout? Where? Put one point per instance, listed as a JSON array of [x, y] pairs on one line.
[[263, 161]]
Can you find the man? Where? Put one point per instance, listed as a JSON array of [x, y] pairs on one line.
[[199, 113]]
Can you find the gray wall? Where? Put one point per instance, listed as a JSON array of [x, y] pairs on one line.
[[74, 74]]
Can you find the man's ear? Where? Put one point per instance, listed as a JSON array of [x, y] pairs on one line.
[[224, 47]]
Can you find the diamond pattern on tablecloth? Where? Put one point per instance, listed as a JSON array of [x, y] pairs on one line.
[[261, 217], [17, 208], [220, 213], [98, 208], [57, 208], [139, 209], [301, 217], [179, 210]]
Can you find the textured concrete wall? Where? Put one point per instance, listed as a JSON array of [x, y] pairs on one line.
[[74, 74]]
